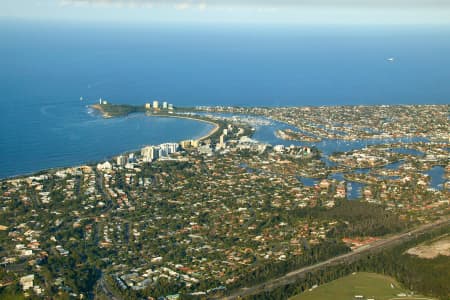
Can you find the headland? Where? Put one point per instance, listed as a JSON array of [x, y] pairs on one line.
[[117, 110], [109, 110]]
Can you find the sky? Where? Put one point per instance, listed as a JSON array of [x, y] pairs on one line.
[[347, 12]]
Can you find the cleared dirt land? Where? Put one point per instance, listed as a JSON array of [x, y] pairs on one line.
[[368, 285], [432, 249]]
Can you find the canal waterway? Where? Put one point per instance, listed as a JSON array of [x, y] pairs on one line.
[[266, 133]]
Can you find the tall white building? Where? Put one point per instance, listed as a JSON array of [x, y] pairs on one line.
[[106, 166], [278, 148], [155, 104], [164, 105], [121, 160], [150, 153], [168, 148], [221, 144]]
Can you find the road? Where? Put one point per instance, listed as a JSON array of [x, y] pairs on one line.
[[102, 282], [105, 288], [374, 247], [101, 189]]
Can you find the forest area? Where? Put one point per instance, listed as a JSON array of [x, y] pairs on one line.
[[426, 276]]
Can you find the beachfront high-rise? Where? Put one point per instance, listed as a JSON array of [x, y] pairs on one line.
[[150, 153]]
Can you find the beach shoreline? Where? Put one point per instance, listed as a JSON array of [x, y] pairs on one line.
[[107, 115], [101, 110], [93, 162], [206, 136]]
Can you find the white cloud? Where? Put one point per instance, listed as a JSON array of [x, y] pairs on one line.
[[276, 3], [282, 11], [182, 6]]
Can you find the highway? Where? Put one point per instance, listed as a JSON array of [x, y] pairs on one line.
[[354, 255]]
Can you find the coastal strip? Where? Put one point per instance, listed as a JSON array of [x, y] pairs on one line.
[[206, 136]]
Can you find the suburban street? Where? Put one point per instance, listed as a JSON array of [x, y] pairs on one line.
[[106, 290]]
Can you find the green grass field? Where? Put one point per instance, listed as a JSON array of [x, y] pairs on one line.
[[369, 285]]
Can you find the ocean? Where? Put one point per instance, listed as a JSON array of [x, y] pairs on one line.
[[46, 67]]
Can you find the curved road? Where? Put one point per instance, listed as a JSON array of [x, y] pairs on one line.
[[376, 246], [106, 290]]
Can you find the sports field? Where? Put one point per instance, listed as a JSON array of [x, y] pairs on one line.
[[368, 285]]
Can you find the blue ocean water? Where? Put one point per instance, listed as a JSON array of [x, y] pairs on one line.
[[46, 67], [67, 134]]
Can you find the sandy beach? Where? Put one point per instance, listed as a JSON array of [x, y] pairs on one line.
[[209, 134]]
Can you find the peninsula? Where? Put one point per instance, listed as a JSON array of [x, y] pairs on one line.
[[109, 110]]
